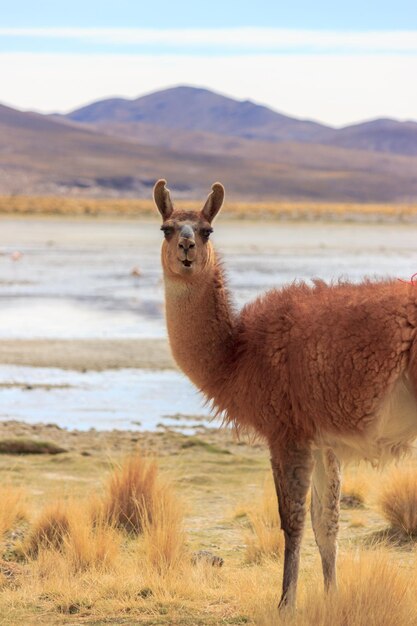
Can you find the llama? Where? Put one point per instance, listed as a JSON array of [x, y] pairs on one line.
[[324, 374]]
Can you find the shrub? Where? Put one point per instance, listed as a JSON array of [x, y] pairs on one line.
[[21, 445], [130, 495], [163, 532], [398, 501], [49, 530], [68, 528]]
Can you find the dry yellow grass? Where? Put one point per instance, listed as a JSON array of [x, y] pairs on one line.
[[12, 508], [131, 493], [163, 533], [49, 529], [50, 205], [266, 538], [90, 545], [97, 574], [398, 500], [137, 500], [356, 486], [372, 591], [68, 529]]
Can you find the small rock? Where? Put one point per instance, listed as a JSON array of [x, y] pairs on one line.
[[10, 573], [146, 592], [207, 557], [351, 502]]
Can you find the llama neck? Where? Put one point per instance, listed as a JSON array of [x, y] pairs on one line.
[[200, 325]]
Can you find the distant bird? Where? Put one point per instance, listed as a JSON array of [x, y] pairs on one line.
[[16, 255]]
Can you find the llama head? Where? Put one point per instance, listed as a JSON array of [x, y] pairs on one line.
[[186, 249]]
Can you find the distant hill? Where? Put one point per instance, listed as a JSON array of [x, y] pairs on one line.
[[383, 135], [202, 110], [60, 156], [195, 109]]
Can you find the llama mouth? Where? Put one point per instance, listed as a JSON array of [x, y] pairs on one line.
[[187, 263]]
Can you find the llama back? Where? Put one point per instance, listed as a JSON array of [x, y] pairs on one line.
[[333, 352]]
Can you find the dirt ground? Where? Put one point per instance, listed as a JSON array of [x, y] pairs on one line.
[[87, 354]]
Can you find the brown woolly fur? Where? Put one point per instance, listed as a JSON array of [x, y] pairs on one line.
[[324, 373], [331, 378], [398, 501]]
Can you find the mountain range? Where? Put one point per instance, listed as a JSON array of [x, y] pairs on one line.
[[193, 136]]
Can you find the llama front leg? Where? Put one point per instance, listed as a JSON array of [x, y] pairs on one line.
[[325, 504], [292, 473]]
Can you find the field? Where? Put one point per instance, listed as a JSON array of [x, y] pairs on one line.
[[218, 499], [285, 210]]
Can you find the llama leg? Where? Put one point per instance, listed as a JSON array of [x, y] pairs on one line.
[[292, 473], [325, 498]]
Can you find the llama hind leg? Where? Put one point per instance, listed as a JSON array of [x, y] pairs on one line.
[[292, 473], [325, 502]]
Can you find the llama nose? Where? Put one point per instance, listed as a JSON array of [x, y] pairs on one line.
[[186, 241], [186, 244]]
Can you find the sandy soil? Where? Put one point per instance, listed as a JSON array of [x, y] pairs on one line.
[[90, 354]]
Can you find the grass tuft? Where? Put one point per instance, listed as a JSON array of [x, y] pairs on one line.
[[67, 529], [49, 530], [21, 445], [131, 494], [12, 509], [266, 538], [163, 532], [398, 501], [192, 442]]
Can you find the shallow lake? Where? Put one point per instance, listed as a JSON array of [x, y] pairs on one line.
[[123, 399], [78, 278], [101, 279]]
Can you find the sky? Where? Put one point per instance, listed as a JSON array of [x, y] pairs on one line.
[[335, 64]]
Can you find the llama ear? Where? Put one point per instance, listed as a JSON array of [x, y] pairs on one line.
[[214, 202], [162, 199]]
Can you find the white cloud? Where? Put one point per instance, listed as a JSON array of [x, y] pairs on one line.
[[261, 39], [336, 89]]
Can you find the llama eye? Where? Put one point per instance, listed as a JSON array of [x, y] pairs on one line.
[[167, 230], [206, 232]]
